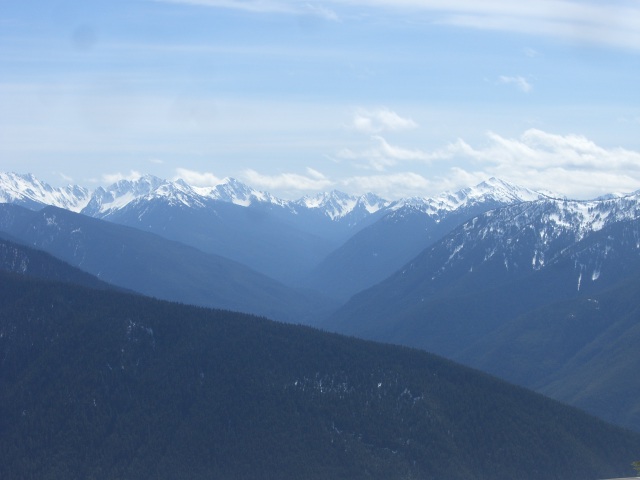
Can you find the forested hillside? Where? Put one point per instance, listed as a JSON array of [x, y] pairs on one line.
[[105, 385]]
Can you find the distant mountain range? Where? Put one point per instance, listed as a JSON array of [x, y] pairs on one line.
[[497, 276], [290, 241]]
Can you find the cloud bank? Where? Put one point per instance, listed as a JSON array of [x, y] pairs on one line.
[[571, 165], [380, 120]]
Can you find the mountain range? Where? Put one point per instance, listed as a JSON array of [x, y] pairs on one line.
[[299, 243], [532, 287]]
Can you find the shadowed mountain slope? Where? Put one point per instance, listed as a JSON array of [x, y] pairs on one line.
[[152, 265], [99, 384]]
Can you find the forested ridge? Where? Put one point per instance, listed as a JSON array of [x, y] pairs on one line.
[[107, 385]]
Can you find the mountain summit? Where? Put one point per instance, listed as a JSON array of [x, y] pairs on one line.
[[26, 190]]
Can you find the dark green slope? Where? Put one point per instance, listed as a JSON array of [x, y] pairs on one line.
[[100, 384], [582, 351], [545, 329]]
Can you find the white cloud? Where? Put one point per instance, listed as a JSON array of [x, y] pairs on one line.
[[64, 177], [395, 185], [288, 182], [581, 24], [615, 23], [571, 165], [518, 81], [256, 6], [197, 179], [110, 178], [538, 149], [382, 119], [384, 155], [265, 6], [322, 12]]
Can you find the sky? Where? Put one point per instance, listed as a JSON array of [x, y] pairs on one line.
[[397, 97]]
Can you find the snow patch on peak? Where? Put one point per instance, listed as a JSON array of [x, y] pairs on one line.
[[334, 204], [491, 190], [105, 201], [27, 190], [499, 191], [372, 202], [233, 191]]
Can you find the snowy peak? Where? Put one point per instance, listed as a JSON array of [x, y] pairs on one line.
[[27, 190], [236, 192], [334, 204], [493, 191], [372, 202], [146, 188], [533, 235], [554, 218], [144, 185], [500, 191], [337, 204], [149, 188]]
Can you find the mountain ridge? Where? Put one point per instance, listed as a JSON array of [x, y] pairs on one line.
[[285, 240], [153, 265], [380, 249], [459, 294], [132, 387], [334, 204]]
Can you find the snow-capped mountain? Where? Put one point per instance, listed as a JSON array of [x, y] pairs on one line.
[[236, 192], [31, 192], [106, 201], [532, 235], [490, 192], [406, 228], [498, 265], [28, 191], [338, 205], [283, 239]]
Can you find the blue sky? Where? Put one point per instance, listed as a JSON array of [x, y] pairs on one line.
[[399, 97]]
